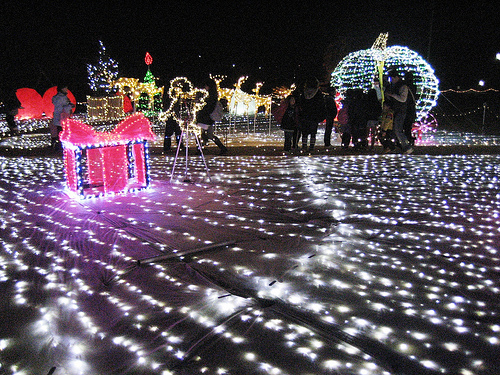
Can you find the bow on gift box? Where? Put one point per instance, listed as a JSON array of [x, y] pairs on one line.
[[133, 128]]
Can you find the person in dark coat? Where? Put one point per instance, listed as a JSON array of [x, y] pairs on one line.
[[171, 127], [398, 93], [289, 124], [62, 110], [11, 107], [343, 118], [357, 119], [205, 121], [312, 111], [411, 108], [373, 113], [331, 113]]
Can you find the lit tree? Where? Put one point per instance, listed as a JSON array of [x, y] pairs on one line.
[[150, 103], [103, 73], [149, 78]]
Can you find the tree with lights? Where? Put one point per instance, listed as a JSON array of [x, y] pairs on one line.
[[103, 73], [149, 77], [150, 102]]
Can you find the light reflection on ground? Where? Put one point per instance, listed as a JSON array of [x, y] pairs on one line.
[[341, 265], [272, 137]]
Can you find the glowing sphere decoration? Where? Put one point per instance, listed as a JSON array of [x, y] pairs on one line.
[[358, 69]]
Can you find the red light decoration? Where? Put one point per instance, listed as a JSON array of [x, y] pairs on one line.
[[31, 103], [34, 105], [148, 59], [98, 163]]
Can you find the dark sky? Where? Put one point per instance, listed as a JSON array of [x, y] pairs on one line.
[[43, 43]]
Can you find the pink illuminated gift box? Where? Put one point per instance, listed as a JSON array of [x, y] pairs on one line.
[[106, 162]]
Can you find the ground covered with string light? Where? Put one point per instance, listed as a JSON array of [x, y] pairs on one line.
[[355, 264]]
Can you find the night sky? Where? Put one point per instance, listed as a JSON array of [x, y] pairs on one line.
[[276, 42]]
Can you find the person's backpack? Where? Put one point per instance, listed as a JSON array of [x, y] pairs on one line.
[[279, 111], [343, 116], [218, 112]]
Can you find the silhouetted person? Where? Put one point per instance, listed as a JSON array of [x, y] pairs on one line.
[[205, 121], [398, 94], [12, 106], [62, 111], [289, 123], [312, 111], [331, 113], [411, 108]]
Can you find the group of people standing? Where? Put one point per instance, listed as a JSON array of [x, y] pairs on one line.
[[300, 114], [388, 114]]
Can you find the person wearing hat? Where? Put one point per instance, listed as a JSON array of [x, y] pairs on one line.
[[398, 94]]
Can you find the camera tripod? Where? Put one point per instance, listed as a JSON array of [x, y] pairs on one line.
[[187, 131]]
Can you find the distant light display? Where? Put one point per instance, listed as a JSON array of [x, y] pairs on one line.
[[282, 92], [134, 88], [150, 100], [239, 102], [106, 108], [358, 69]]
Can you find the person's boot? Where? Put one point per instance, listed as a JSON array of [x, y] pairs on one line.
[[167, 144], [312, 143], [223, 149], [204, 138]]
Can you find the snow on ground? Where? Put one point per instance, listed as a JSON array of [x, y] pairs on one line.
[[281, 265]]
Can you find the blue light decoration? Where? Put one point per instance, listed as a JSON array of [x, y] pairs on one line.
[[358, 69]]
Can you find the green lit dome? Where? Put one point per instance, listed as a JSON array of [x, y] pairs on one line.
[[358, 69]]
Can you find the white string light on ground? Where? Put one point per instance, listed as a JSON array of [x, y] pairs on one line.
[[361, 265]]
